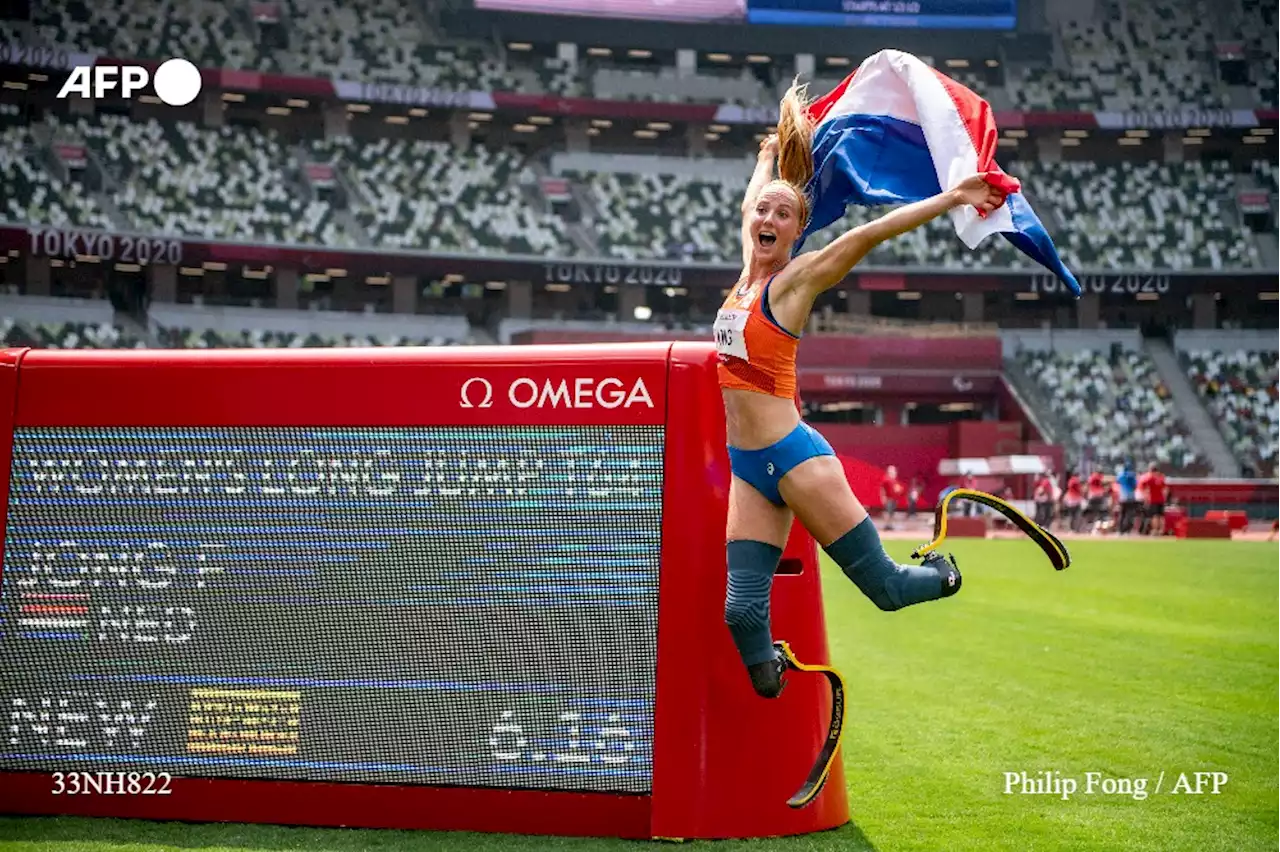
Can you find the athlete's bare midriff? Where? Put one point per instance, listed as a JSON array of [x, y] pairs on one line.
[[754, 420]]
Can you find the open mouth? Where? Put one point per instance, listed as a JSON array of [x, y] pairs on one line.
[[767, 239]]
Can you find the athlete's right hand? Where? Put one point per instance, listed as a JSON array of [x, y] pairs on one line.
[[769, 146]]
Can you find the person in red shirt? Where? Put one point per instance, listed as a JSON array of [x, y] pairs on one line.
[[891, 491], [1042, 496], [1073, 502], [1096, 498], [1156, 490]]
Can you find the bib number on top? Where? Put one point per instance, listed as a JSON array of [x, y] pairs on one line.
[[730, 331]]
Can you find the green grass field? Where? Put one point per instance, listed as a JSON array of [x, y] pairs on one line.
[[1141, 658]]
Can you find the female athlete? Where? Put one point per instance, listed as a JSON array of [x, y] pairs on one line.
[[782, 467]]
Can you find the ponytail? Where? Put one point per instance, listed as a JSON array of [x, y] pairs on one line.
[[795, 143]]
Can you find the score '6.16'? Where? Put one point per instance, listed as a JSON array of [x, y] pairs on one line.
[[609, 744]]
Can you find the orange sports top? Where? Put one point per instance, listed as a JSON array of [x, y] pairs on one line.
[[756, 353]]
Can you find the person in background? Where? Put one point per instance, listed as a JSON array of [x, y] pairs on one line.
[[914, 494], [1073, 502], [971, 483], [1006, 494], [1095, 499], [1114, 512], [1127, 484], [891, 491], [1154, 488], [1140, 516], [1042, 496]]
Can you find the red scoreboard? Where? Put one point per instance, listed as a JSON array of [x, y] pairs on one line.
[[441, 588]]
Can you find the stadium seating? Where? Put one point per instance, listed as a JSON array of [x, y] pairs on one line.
[[1149, 214], [641, 215], [29, 192], [1170, 59], [378, 42], [230, 183], [669, 86], [206, 32], [1265, 89], [1159, 57], [68, 335], [382, 41], [79, 335], [1095, 65], [1240, 391], [185, 338], [238, 182], [1260, 25], [1126, 215], [557, 77], [421, 194], [1155, 56], [1121, 412], [644, 215], [1264, 172]]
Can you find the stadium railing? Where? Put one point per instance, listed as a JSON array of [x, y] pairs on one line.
[[863, 325]]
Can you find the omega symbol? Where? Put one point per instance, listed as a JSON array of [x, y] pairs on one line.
[[486, 402]]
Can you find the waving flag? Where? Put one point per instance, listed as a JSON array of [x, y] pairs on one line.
[[897, 131]]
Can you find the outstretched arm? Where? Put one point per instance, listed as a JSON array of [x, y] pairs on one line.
[[762, 175], [831, 264]]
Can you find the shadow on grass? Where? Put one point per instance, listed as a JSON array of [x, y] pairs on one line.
[[81, 834]]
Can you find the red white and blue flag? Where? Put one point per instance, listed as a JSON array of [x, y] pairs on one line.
[[897, 131]]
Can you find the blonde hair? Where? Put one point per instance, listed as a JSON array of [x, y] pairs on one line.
[[795, 144]]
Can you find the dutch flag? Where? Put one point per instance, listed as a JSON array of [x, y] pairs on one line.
[[897, 131]]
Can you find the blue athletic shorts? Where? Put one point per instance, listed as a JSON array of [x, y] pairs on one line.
[[763, 469]]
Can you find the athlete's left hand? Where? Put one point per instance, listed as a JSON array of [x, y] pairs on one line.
[[975, 191]]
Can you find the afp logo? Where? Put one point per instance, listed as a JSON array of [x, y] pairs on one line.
[[177, 82], [478, 392]]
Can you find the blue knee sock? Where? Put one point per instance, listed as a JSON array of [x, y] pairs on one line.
[[889, 585], [746, 603]]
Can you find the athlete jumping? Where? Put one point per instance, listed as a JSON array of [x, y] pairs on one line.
[[782, 467]]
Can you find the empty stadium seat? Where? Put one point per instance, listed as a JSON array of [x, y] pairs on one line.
[[1264, 172]]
